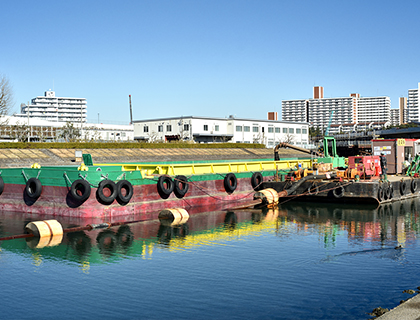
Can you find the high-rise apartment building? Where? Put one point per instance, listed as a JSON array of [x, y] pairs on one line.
[[52, 108], [403, 110], [413, 113], [395, 117], [348, 111], [374, 109]]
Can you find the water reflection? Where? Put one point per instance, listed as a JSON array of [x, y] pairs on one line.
[[396, 223], [166, 233], [387, 226]]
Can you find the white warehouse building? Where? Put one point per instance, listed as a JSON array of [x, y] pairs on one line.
[[231, 129], [36, 129]]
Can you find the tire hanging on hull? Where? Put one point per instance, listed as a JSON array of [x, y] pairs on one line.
[[124, 197], [33, 188], [80, 190], [230, 182]]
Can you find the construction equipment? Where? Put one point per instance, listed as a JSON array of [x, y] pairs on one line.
[[330, 153], [291, 146], [414, 167], [329, 124]]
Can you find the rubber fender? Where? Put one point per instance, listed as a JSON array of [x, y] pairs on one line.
[[413, 186], [230, 182], [403, 187], [338, 192], [33, 188], [256, 180], [313, 189], [1, 185], [390, 191], [126, 196], [165, 185], [181, 186], [110, 185], [380, 194], [80, 190]]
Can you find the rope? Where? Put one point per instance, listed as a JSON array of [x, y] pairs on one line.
[[24, 175], [217, 198], [84, 178], [292, 197], [68, 179]]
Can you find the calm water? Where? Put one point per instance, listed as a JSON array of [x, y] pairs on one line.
[[301, 261]]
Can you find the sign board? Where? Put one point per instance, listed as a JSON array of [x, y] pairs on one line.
[[377, 150]]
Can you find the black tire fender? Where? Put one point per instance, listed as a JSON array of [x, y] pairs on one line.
[[128, 187], [338, 192], [313, 189], [230, 182], [181, 186], [106, 184], [380, 194], [413, 186], [33, 188], [165, 185], [80, 190], [390, 191], [1, 185], [256, 180], [403, 187]]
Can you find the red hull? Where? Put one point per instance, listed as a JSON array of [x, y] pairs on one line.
[[56, 201]]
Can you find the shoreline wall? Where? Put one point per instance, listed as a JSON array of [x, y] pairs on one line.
[[46, 157]]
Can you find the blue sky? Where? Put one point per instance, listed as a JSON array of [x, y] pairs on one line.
[[207, 58]]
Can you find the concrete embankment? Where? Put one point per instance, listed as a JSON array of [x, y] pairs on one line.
[[45, 157], [409, 310]]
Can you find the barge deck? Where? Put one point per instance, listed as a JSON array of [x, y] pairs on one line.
[[396, 188]]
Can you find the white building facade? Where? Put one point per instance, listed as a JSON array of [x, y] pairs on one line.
[[210, 130], [52, 108], [413, 112], [41, 130], [395, 117]]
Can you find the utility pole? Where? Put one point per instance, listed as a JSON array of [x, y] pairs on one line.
[[29, 128], [131, 110]]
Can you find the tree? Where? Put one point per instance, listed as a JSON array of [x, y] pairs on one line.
[[288, 138], [19, 132], [6, 96], [91, 134], [70, 133]]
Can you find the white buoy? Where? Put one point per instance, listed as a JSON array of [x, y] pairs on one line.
[[47, 233], [175, 216], [268, 196]]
